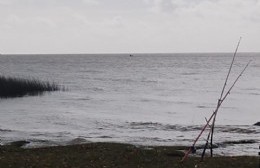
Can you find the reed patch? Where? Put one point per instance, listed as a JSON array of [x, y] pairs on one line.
[[11, 87]]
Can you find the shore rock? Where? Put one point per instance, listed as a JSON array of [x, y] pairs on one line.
[[257, 124], [245, 141]]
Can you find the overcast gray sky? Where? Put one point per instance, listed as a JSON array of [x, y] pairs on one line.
[[116, 26]]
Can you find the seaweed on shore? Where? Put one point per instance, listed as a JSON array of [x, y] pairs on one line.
[[11, 87]]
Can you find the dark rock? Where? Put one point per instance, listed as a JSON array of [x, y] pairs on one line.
[[257, 124], [13, 146], [250, 141], [208, 147]]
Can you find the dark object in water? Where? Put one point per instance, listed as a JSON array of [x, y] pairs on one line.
[[257, 124], [18, 87], [131, 55]]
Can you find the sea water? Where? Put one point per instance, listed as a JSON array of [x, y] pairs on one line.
[[145, 99]]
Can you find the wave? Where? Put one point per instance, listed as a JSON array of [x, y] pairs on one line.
[[96, 89], [126, 80], [187, 128], [189, 73], [5, 130]]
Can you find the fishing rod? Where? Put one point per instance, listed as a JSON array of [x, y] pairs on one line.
[[214, 119], [228, 92], [222, 92], [214, 112]]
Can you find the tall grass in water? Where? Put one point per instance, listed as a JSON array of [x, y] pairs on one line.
[[18, 87]]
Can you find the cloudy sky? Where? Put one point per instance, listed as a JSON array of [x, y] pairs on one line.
[[128, 26]]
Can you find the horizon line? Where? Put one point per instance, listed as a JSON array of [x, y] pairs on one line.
[[109, 53]]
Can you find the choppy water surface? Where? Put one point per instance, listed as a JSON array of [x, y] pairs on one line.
[[148, 99]]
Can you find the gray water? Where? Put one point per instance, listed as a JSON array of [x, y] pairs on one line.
[[147, 99]]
